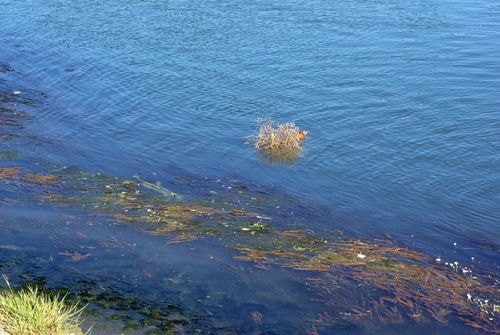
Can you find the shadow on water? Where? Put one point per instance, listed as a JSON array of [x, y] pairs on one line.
[[213, 255]]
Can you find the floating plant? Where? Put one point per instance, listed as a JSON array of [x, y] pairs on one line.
[[281, 143]]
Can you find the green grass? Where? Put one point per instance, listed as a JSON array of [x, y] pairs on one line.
[[29, 311]]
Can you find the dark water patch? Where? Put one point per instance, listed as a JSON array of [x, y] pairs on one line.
[[12, 118], [10, 97], [18, 104], [4, 67]]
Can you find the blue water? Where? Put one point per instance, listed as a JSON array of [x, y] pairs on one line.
[[401, 100]]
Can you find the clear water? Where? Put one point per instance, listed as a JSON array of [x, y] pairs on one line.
[[400, 101]]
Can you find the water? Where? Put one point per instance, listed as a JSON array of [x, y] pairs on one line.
[[400, 101]]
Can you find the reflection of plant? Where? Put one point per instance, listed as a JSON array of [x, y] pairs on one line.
[[31, 312], [283, 142]]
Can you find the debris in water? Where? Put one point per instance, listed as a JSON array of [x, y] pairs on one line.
[[159, 189]]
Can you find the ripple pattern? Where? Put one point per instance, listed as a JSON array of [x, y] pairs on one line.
[[401, 99]]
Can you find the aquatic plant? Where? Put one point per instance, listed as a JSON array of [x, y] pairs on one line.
[[9, 173], [29, 311], [281, 142], [409, 285], [42, 179], [124, 308]]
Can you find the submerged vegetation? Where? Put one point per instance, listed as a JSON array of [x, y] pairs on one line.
[[410, 285], [404, 284], [29, 311], [6, 173], [280, 143]]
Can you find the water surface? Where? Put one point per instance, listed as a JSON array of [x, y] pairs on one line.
[[400, 101]]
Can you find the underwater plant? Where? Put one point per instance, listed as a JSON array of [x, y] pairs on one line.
[[281, 142], [6, 173], [393, 284]]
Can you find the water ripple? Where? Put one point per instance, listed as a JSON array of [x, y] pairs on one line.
[[400, 99]]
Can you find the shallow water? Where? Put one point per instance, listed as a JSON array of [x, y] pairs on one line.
[[400, 101]]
